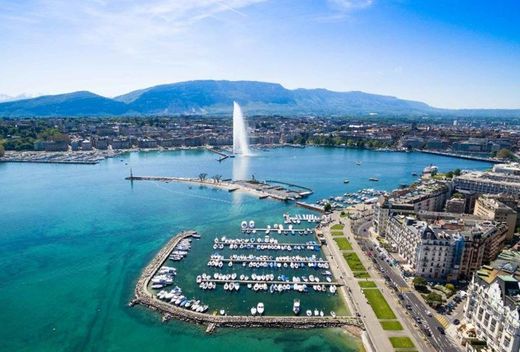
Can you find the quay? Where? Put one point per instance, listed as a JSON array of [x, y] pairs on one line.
[[260, 189], [143, 296]]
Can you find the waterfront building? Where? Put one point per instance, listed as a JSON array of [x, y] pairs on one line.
[[444, 249], [120, 143], [492, 312], [492, 209], [147, 143], [51, 146], [510, 168], [427, 195], [488, 182]]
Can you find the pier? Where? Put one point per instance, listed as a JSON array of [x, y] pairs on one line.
[[275, 282], [284, 231], [223, 156], [311, 206], [260, 189], [145, 297], [259, 260]]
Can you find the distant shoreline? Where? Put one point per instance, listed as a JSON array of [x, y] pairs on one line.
[[93, 157]]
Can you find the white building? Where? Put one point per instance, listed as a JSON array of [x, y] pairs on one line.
[[492, 310]]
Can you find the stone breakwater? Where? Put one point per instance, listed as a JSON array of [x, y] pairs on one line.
[[145, 297]]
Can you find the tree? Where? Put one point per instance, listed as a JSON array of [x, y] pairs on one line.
[[217, 178], [2, 150], [327, 207], [433, 299], [203, 176], [505, 154], [456, 172], [419, 282], [450, 287]]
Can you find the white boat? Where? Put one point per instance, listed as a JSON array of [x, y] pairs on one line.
[[333, 314], [308, 312], [260, 308], [222, 312], [321, 313], [253, 311], [296, 306], [316, 312]]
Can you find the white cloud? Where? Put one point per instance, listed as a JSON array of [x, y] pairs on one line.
[[349, 5], [129, 26]]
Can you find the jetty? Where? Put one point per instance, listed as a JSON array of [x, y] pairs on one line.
[[145, 297], [223, 156], [260, 189]]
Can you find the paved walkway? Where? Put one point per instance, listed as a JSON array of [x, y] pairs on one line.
[[358, 301]]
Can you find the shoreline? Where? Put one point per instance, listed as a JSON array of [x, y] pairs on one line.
[[95, 156]]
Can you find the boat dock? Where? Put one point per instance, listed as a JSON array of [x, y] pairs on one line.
[[145, 297], [260, 260], [284, 231], [275, 282], [223, 156], [311, 206]]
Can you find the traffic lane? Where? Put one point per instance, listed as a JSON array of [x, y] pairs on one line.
[[418, 309]]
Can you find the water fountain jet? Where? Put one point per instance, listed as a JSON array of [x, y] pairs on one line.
[[240, 138]]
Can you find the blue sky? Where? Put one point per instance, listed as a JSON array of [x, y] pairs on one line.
[[456, 53]]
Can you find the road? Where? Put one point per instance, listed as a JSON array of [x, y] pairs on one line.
[[440, 341]]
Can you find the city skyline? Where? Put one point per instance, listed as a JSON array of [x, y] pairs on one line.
[[447, 55]]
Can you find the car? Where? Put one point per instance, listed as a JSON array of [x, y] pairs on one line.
[[408, 306], [456, 322], [428, 313], [441, 330]]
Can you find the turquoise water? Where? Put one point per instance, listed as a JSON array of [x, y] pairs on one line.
[[73, 240]]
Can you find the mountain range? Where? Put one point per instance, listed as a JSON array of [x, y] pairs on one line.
[[210, 97]]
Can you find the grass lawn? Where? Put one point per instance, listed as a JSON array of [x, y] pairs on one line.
[[401, 342], [343, 244], [337, 233], [361, 275], [391, 325], [379, 304], [353, 262], [338, 227], [367, 284]]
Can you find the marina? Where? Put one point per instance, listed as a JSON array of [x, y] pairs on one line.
[[173, 304]]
